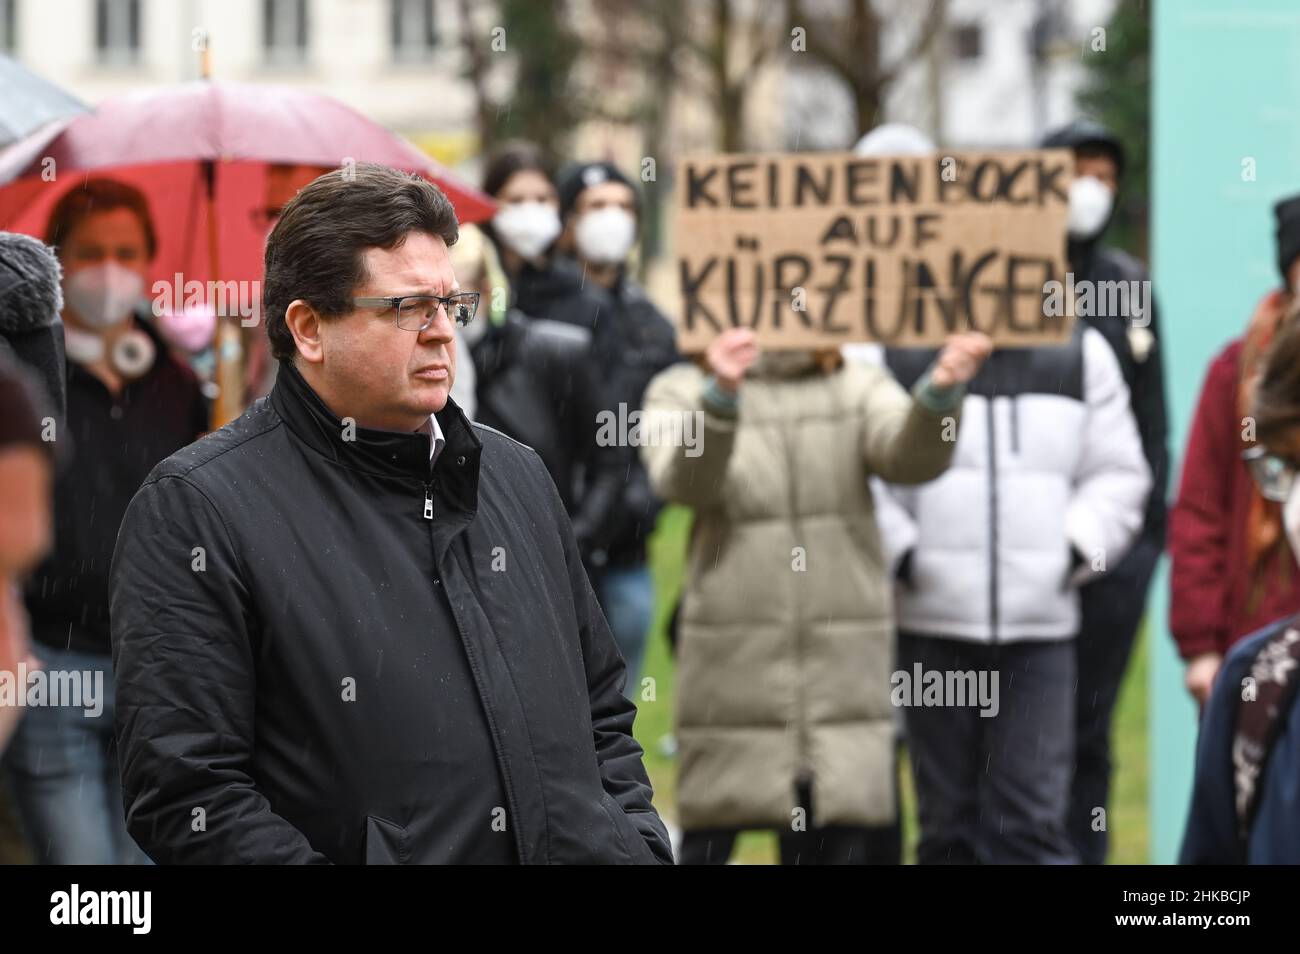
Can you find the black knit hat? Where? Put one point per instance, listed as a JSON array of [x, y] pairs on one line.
[[31, 297], [1288, 233], [1088, 134], [576, 178]]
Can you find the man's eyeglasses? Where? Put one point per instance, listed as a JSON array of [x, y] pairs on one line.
[[417, 312], [1274, 475]]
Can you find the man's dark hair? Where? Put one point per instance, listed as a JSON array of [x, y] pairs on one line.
[[316, 250], [94, 196]]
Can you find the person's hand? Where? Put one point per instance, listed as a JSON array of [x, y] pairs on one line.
[[1201, 671], [730, 355], [961, 358]]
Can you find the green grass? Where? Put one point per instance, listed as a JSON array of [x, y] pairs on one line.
[[1126, 816]]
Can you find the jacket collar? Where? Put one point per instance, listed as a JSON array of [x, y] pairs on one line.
[[383, 453]]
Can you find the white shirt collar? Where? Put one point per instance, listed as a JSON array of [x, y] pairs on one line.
[[436, 440]]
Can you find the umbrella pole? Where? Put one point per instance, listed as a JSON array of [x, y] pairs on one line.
[[228, 347]]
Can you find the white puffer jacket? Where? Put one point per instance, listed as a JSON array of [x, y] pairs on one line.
[[1046, 490]]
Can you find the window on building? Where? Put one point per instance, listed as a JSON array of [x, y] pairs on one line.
[[967, 41], [284, 32], [117, 32], [412, 29]]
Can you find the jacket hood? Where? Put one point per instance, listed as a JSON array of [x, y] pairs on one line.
[[1088, 132]]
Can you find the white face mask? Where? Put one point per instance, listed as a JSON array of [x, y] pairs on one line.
[[103, 295], [528, 228], [1291, 518], [605, 236], [1090, 204]]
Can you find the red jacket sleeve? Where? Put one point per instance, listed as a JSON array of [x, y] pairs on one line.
[[1200, 522]]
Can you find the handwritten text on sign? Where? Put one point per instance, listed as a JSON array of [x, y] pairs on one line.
[[812, 250]]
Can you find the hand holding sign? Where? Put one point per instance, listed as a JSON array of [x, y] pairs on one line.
[[961, 359], [730, 355]]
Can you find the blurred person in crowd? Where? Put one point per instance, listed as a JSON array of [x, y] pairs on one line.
[[33, 407], [1246, 795], [130, 404], [785, 643], [524, 232], [31, 330], [537, 382], [1046, 491], [393, 653], [1112, 606], [887, 139], [283, 181], [629, 342], [1232, 571], [26, 459], [600, 209]]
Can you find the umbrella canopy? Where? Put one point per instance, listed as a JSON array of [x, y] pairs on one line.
[[209, 157], [28, 102], [167, 140]]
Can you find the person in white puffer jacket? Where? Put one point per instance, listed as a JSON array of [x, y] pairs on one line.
[[1046, 491]]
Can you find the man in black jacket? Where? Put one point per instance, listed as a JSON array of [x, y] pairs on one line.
[[351, 626], [1112, 606]]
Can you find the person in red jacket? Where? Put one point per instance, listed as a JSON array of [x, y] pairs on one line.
[[1232, 571]]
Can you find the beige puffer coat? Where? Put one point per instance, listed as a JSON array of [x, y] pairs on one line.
[[786, 629]]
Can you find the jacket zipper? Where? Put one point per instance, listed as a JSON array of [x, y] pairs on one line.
[[993, 523], [428, 501]]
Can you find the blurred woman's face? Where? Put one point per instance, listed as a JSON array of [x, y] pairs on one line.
[[105, 268], [116, 235], [528, 219], [528, 185]]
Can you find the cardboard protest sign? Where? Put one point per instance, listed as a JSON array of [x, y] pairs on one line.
[[817, 249]]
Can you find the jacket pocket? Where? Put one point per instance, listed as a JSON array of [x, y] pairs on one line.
[[635, 850], [386, 843]]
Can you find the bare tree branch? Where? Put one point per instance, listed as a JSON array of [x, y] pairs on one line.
[[929, 29]]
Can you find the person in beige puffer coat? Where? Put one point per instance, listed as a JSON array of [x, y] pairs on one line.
[[784, 655]]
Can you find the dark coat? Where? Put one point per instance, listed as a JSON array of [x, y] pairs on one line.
[[640, 344], [336, 677], [115, 441], [537, 381], [1211, 834], [631, 342]]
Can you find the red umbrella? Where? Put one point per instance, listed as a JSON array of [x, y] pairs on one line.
[[201, 152], [162, 139]]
